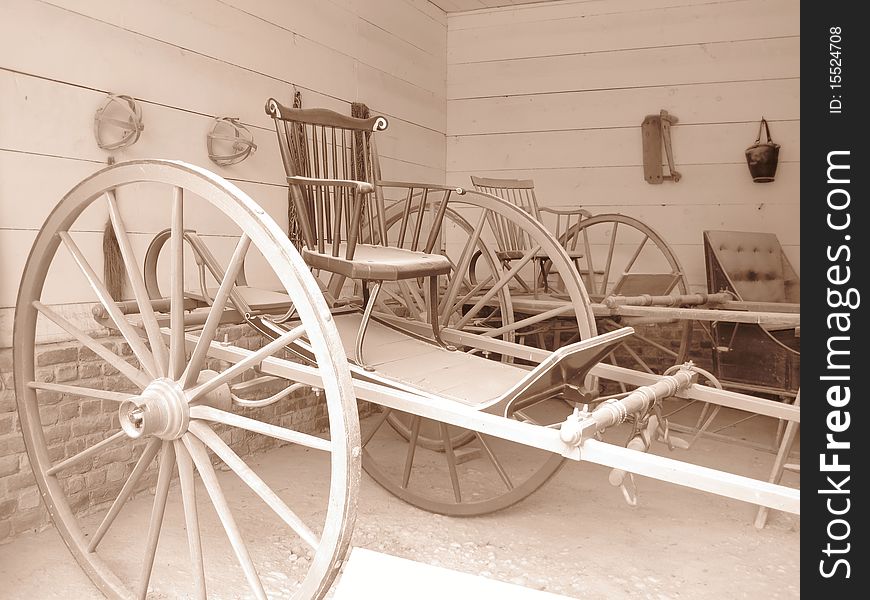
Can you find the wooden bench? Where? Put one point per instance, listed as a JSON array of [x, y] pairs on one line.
[[753, 267]]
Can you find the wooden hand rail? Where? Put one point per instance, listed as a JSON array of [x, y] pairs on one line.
[[565, 211], [323, 116], [415, 185], [360, 186]]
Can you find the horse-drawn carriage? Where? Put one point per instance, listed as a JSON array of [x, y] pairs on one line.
[[401, 306]]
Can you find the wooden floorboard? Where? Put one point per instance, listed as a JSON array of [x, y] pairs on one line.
[[466, 378]]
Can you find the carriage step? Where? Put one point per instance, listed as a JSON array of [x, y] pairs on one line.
[[370, 574]]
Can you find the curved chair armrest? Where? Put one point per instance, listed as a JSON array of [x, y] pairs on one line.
[[361, 187], [566, 211], [414, 185]]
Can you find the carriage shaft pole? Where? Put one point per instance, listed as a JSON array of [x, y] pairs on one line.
[[727, 398], [773, 319], [678, 300], [693, 476], [729, 312], [696, 477], [579, 426], [452, 413]]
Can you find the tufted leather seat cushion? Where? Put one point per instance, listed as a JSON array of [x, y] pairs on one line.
[[755, 265]]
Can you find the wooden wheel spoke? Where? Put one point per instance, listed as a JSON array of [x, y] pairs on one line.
[[464, 262], [208, 413], [134, 275], [378, 423], [572, 339], [590, 268], [177, 350], [644, 339], [655, 344], [191, 518], [637, 252], [147, 456], [503, 281], [609, 261], [253, 481], [636, 357], [499, 468], [158, 509], [146, 359], [466, 283], [461, 302], [412, 449], [243, 365], [75, 390], [516, 325], [451, 461], [197, 359], [138, 377], [212, 486], [86, 453], [413, 300], [381, 305]]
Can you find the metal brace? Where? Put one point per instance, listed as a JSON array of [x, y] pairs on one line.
[[657, 129]]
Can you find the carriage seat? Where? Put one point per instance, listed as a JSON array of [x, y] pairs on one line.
[[377, 263], [754, 264]]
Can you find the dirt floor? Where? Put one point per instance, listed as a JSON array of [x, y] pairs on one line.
[[575, 536]]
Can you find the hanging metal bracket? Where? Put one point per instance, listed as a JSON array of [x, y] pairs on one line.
[[657, 129]]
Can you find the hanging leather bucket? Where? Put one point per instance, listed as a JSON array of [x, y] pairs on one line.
[[762, 157]]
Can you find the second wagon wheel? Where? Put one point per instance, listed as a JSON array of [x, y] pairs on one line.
[[407, 299], [158, 397], [623, 256], [445, 469]]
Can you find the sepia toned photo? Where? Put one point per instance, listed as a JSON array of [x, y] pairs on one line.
[[394, 299]]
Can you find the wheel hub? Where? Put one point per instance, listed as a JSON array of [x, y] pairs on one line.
[[161, 410]]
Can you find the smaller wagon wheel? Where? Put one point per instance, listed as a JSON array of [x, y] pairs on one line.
[[623, 256], [424, 465], [161, 392]]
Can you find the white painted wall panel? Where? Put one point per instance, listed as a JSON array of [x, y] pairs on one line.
[[752, 60], [186, 62], [556, 92], [696, 104], [560, 9], [693, 144], [614, 31]]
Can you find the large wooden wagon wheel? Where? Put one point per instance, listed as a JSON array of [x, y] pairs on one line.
[[445, 469], [167, 403], [623, 256]]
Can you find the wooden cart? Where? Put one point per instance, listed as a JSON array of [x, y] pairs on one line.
[[439, 363]]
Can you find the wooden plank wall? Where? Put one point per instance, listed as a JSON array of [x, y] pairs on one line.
[[557, 91], [187, 61]]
